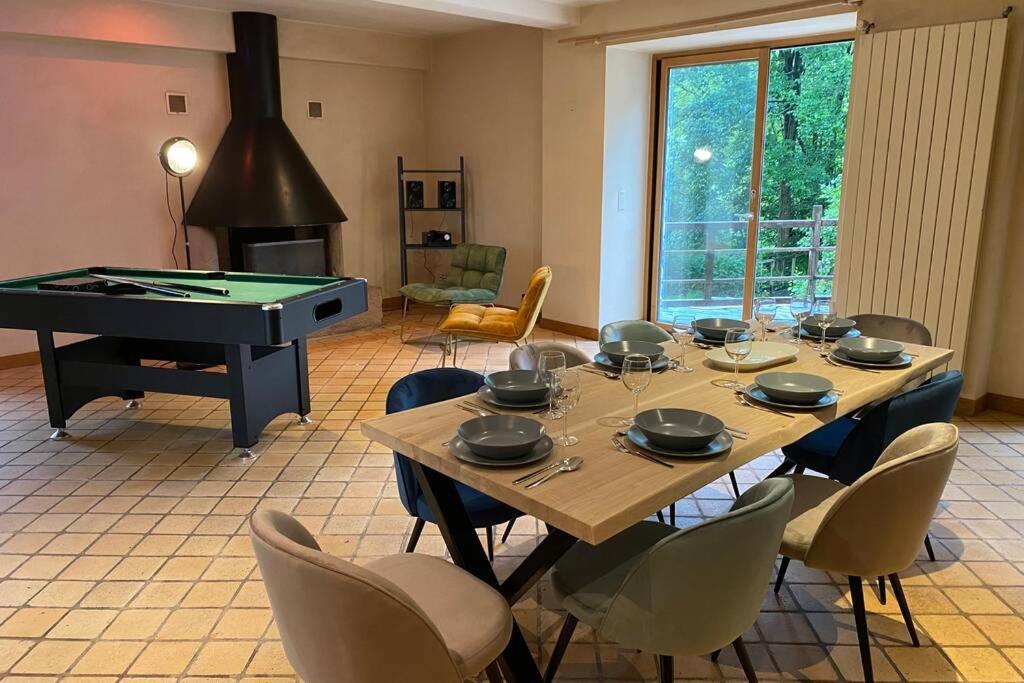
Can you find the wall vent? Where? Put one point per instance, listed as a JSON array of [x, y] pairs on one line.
[[314, 109], [177, 103]]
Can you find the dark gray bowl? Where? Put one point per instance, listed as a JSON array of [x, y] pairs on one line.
[[678, 429], [716, 328], [870, 349], [501, 437], [837, 329], [617, 351], [517, 386], [795, 388]]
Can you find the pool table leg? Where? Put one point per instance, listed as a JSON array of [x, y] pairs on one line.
[[51, 383], [300, 349]]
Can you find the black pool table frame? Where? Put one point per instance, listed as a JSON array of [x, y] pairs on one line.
[[263, 347]]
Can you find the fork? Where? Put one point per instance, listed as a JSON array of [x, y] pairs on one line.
[[622, 448], [471, 404], [851, 367], [742, 399]]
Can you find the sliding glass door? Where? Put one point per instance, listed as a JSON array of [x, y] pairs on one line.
[[749, 163]]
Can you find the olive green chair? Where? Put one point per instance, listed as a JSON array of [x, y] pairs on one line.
[[633, 330], [474, 278], [674, 591]]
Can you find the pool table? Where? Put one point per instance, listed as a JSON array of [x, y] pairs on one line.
[[258, 331]]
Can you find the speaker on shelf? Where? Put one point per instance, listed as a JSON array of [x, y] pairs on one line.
[[446, 194], [414, 194]]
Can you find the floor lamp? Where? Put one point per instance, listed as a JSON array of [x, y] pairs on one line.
[[178, 157]]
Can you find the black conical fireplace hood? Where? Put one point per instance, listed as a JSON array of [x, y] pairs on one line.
[[259, 176]]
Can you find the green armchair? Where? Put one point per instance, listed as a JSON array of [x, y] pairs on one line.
[[474, 278]]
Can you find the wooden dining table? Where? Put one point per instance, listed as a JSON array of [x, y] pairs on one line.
[[612, 490]]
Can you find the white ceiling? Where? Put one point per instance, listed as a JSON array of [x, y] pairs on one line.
[[422, 17]]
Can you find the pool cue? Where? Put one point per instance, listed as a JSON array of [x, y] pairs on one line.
[[166, 291], [202, 289]]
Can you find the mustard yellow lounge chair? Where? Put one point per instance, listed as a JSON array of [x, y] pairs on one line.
[[494, 323]]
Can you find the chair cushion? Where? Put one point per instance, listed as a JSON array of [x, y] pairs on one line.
[[817, 450], [473, 618], [481, 508], [477, 266], [485, 322], [814, 496], [430, 294], [588, 576]]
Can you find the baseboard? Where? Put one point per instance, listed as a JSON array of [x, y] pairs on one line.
[[19, 360], [968, 407], [568, 328], [391, 303]]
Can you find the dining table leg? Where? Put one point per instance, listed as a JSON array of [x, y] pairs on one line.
[[516, 662]]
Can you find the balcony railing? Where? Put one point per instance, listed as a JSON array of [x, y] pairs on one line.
[[782, 263]]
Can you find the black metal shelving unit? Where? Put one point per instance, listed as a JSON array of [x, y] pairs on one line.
[[459, 209]]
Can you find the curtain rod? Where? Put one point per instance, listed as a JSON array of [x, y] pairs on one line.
[[723, 20]]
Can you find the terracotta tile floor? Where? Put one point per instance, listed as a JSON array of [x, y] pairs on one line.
[[124, 554]]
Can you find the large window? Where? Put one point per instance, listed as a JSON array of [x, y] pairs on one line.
[[750, 157]]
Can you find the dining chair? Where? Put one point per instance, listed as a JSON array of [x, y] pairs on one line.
[[847, 448], [896, 328], [676, 592], [875, 526], [495, 323], [633, 330], [527, 357], [433, 386], [474, 277], [397, 618]]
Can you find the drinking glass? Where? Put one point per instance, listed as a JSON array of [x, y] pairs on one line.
[[800, 308], [738, 345], [683, 330], [636, 376], [823, 313], [569, 391], [551, 364], [764, 313]]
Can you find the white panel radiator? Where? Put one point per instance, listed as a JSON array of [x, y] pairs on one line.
[[919, 138]]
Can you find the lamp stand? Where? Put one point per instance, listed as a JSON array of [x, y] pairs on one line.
[[184, 225]]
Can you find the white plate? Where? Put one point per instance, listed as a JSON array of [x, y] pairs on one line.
[[762, 355]]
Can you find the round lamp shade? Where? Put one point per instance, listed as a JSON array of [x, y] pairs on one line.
[[178, 156]]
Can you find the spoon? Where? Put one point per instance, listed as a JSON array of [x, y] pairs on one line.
[[531, 475], [573, 465]]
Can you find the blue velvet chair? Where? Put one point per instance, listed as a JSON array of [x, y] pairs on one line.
[[848, 448], [420, 389]]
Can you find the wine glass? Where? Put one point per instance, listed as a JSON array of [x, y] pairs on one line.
[[738, 345], [764, 313], [823, 313], [569, 392], [551, 364], [683, 330], [636, 376], [800, 308]]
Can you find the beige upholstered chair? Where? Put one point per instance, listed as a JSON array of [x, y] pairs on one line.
[[874, 527], [676, 591], [528, 357], [401, 618]]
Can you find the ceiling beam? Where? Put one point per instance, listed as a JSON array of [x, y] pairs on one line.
[[535, 13]]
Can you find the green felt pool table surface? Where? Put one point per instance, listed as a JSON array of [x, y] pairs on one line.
[[254, 288]]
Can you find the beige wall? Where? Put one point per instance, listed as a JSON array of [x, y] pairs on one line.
[[627, 118], [483, 102], [81, 185]]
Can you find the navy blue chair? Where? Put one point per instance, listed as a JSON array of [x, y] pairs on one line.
[[847, 448], [420, 389]]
